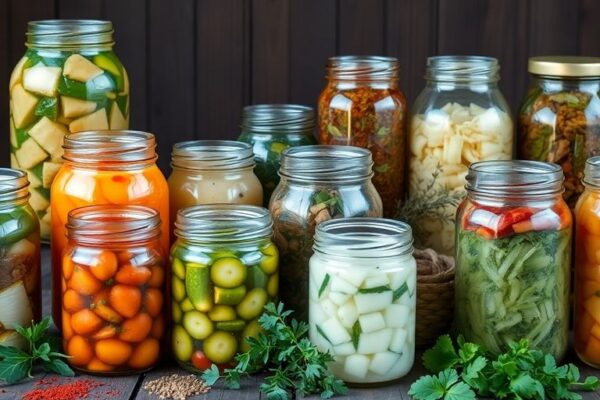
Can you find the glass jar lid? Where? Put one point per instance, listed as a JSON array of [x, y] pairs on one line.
[[363, 238], [462, 69], [69, 33], [363, 68], [204, 155], [567, 66], [13, 185], [110, 224], [518, 178], [278, 118], [326, 163], [223, 223]]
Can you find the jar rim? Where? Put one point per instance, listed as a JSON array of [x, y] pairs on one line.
[[515, 178], [362, 67], [462, 69], [14, 185], [223, 223], [363, 238], [591, 174], [284, 118], [110, 224], [53, 33], [202, 155]]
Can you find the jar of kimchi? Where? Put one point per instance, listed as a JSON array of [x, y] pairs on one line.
[[69, 80], [559, 119], [105, 167], [513, 257], [113, 289], [362, 106], [459, 118]]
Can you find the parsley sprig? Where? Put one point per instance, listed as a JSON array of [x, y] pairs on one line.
[[42, 349], [467, 371], [283, 349]]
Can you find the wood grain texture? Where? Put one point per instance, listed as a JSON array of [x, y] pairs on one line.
[[589, 28], [361, 27], [79, 9], [5, 68], [553, 27]]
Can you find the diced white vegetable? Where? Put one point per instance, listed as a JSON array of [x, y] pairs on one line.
[[313, 290], [453, 150], [73, 108], [475, 110], [94, 121], [369, 302], [49, 135], [489, 121], [357, 365], [317, 273], [460, 115], [41, 79], [411, 281], [17, 72], [417, 145], [335, 332], [398, 277], [382, 363], [80, 68], [15, 308], [546, 219], [398, 340], [338, 298], [490, 149], [396, 316], [375, 342], [23, 106], [339, 284], [22, 247], [372, 322], [49, 171], [485, 218], [355, 277], [329, 307], [436, 124], [375, 280], [344, 349], [318, 340], [117, 119], [13, 134], [347, 314], [30, 154], [14, 163]]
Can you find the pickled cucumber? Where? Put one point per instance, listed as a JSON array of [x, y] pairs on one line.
[[197, 325], [231, 326], [197, 284], [221, 313], [256, 278], [273, 285], [230, 297], [252, 305], [183, 345], [178, 268], [178, 289], [176, 312], [220, 347], [228, 272]]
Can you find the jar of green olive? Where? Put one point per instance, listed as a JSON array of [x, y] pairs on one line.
[[224, 270]]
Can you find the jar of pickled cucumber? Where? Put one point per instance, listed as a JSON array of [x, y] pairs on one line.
[[112, 289], [20, 281], [212, 172], [69, 80], [318, 183], [270, 129], [459, 118], [513, 257], [363, 299], [104, 167], [224, 269]]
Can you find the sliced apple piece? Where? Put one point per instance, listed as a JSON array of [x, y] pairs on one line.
[[17, 73], [80, 68], [41, 79], [34, 181], [30, 154], [37, 201], [23, 105], [13, 162], [93, 121], [15, 309], [73, 107], [49, 135], [117, 119], [13, 134], [49, 170], [45, 226]]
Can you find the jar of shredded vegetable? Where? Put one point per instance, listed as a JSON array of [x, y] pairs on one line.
[[513, 257], [362, 106]]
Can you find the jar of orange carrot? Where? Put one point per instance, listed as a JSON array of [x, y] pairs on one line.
[[586, 319], [113, 286], [104, 167]]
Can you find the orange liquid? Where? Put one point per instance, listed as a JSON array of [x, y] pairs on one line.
[[75, 187]]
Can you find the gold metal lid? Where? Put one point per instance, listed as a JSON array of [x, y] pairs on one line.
[[571, 66]]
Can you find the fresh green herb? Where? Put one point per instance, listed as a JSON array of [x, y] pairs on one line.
[[294, 364], [467, 371], [42, 348], [356, 331], [377, 289], [333, 130], [324, 284]]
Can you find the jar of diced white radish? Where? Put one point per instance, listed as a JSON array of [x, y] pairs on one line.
[[363, 298]]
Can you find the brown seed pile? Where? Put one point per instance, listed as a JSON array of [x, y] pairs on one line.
[[177, 387]]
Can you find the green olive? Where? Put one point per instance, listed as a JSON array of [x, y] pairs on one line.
[[221, 313], [176, 312], [178, 268], [270, 261], [228, 272], [178, 289], [273, 285], [197, 325], [252, 305], [220, 347], [186, 305], [183, 345], [253, 329]]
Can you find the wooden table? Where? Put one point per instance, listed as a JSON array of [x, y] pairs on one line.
[[131, 387]]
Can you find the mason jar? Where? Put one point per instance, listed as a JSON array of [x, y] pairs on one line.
[[513, 257], [559, 118], [20, 280], [460, 117], [270, 129], [363, 280], [69, 80], [113, 289], [318, 183], [224, 269], [362, 105], [211, 172], [104, 167]]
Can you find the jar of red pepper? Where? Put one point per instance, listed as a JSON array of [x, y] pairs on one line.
[[363, 106]]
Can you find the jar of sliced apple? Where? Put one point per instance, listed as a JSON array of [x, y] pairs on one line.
[[69, 80], [363, 280], [459, 118]]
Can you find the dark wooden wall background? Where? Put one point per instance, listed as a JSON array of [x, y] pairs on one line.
[[194, 63]]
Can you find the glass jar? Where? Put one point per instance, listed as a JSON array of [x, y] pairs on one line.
[[363, 299], [20, 281], [513, 257], [459, 118], [69, 80], [212, 172], [224, 270], [104, 167], [363, 106], [270, 129], [318, 183], [113, 286], [559, 119]]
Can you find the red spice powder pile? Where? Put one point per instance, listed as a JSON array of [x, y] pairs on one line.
[[72, 390]]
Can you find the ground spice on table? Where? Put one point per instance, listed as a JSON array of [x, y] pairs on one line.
[[177, 387], [51, 389]]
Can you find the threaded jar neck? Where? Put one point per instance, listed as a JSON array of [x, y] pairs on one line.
[[278, 118], [462, 69], [363, 68], [13, 186], [205, 155], [69, 34]]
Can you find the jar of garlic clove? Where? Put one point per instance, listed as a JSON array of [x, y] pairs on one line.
[[459, 118]]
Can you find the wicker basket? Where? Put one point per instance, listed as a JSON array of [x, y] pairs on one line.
[[435, 296]]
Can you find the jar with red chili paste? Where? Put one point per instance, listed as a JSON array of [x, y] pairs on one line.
[[363, 106]]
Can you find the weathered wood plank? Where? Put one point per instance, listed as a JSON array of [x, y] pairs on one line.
[[361, 27], [5, 69], [553, 27], [79, 9], [589, 29]]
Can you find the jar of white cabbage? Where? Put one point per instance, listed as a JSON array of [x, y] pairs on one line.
[[459, 118]]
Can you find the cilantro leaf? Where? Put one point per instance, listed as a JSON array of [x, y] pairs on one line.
[[211, 375], [445, 386], [441, 356]]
